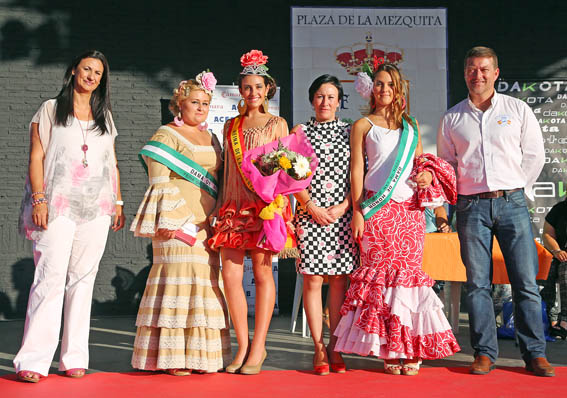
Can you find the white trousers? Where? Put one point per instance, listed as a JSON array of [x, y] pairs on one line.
[[66, 262]]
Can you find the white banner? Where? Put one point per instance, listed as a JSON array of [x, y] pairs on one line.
[[337, 41], [224, 106]]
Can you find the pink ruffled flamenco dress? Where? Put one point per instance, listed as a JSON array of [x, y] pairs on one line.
[[390, 310]]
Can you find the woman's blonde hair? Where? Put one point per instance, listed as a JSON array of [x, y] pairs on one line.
[[181, 93], [400, 103]]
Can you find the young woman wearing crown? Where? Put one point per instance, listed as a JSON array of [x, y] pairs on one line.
[[390, 310], [238, 225]]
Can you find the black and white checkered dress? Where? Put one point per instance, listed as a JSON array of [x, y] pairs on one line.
[[327, 250]]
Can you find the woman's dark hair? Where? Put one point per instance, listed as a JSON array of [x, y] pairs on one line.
[[323, 79], [100, 98], [268, 81]]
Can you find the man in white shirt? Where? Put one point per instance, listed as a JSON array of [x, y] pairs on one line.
[[495, 144]]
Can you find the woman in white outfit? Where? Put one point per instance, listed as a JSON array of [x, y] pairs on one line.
[[72, 197]]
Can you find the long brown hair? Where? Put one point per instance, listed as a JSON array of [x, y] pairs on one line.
[[100, 98], [400, 104]]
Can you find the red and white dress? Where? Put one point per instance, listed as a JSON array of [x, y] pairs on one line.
[[390, 310]]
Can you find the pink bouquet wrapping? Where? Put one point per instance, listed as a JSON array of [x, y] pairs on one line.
[[278, 169]]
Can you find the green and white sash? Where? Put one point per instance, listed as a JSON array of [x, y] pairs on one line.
[[182, 165], [404, 159]]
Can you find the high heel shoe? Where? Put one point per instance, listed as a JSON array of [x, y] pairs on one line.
[[337, 367], [320, 368], [558, 331], [411, 368], [393, 368], [253, 369], [235, 367]]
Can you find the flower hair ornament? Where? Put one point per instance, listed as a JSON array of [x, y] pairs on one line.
[[363, 83], [206, 81], [254, 63]]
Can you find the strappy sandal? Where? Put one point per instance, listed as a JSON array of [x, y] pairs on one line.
[[178, 372], [411, 368], [392, 368], [75, 373], [28, 376]]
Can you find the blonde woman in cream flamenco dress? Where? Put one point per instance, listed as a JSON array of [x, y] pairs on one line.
[[182, 321], [238, 224]]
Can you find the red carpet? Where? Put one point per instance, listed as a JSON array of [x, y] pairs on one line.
[[431, 382]]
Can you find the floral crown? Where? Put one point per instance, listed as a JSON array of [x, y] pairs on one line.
[[206, 81], [254, 63], [363, 83]]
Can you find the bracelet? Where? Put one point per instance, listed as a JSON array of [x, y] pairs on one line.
[[38, 193], [555, 251], [307, 206], [36, 202], [119, 203], [306, 203]]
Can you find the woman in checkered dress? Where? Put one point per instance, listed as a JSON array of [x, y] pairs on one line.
[[323, 220]]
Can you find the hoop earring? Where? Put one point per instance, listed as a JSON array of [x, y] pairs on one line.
[[241, 106], [403, 103], [266, 105], [178, 120]]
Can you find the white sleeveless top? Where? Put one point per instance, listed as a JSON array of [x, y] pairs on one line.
[[381, 150]]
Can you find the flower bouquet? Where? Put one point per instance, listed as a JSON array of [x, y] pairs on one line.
[[278, 169]]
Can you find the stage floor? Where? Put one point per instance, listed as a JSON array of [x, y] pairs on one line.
[[431, 382], [112, 338]]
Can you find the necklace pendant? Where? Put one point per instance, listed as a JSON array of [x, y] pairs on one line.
[[85, 147], [85, 163]]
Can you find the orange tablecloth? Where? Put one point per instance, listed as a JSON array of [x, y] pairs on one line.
[[442, 259]]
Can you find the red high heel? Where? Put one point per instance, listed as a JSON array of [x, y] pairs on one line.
[[337, 367], [321, 368]]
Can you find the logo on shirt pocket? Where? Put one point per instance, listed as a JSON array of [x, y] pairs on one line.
[[503, 120]]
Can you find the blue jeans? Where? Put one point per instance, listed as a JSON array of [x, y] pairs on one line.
[[507, 218]]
